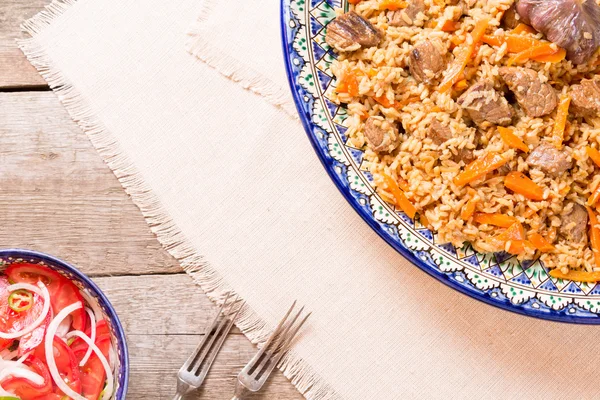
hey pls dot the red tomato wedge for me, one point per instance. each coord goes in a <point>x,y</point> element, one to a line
<point>51,396</point>
<point>67,364</point>
<point>26,389</point>
<point>62,291</point>
<point>93,376</point>
<point>34,338</point>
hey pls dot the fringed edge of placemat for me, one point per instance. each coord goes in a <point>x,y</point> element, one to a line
<point>302,376</point>
<point>233,69</point>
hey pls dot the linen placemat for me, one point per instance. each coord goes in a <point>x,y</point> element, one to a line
<point>232,188</point>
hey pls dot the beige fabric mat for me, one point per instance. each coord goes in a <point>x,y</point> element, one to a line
<point>232,188</point>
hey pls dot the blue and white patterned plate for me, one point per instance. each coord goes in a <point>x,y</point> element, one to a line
<point>498,279</point>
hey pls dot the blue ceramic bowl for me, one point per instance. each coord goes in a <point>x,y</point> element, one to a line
<point>498,279</point>
<point>10,256</point>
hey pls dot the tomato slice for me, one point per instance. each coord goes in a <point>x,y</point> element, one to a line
<point>66,363</point>
<point>51,396</point>
<point>62,291</point>
<point>34,338</point>
<point>93,376</point>
<point>26,389</point>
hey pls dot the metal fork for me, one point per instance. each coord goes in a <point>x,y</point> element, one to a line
<point>194,370</point>
<point>255,373</point>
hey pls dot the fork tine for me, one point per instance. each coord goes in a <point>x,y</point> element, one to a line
<point>269,340</point>
<point>219,330</point>
<point>288,343</point>
<point>211,357</point>
<point>213,325</point>
<point>282,338</point>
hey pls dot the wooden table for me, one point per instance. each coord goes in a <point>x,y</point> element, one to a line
<point>58,196</point>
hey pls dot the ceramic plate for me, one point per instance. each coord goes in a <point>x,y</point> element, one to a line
<point>498,279</point>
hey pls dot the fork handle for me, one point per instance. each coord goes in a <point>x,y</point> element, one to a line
<point>241,392</point>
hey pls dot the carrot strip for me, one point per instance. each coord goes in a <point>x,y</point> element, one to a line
<point>501,220</point>
<point>594,236</point>
<point>593,154</point>
<point>401,200</point>
<point>512,140</point>
<point>558,132</point>
<point>515,234</point>
<point>521,184</point>
<point>552,58</point>
<point>392,5</point>
<point>578,276</point>
<point>479,168</point>
<point>461,85</point>
<point>463,57</point>
<point>523,28</point>
<point>593,199</point>
<point>348,84</point>
<point>544,49</point>
<point>355,2</point>
<point>514,43</point>
<point>540,243</point>
<point>423,219</point>
<point>450,26</point>
<point>384,101</point>
<point>469,209</point>
<point>403,184</point>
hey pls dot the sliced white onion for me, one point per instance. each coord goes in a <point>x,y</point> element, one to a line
<point>44,293</point>
<point>27,286</point>
<point>93,304</point>
<point>109,376</point>
<point>64,327</point>
<point>22,372</point>
<point>49,350</point>
<point>23,357</point>
<point>88,353</point>
<point>112,356</point>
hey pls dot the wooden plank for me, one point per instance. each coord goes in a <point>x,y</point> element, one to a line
<point>58,196</point>
<point>15,70</point>
<point>146,305</point>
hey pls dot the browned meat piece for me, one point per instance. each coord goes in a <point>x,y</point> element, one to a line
<point>547,158</point>
<point>439,133</point>
<point>350,31</point>
<point>465,155</point>
<point>425,62</point>
<point>585,98</point>
<point>407,16</point>
<point>510,20</point>
<point>536,98</point>
<point>571,24</point>
<point>485,105</point>
<point>381,135</point>
<point>574,224</point>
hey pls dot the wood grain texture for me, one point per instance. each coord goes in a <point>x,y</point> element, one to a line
<point>146,305</point>
<point>15,70</point>
<point>59,197</point>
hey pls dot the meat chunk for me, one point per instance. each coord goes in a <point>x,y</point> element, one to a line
<point>381,135</point>
<point>350,31</point>
<point>439,133</point>
<point>574,223</point>
<point>510,19</point>
<point>485,105</point>
<point>426,62</point>
<point>571,24</point>
<point>536,98</point>
<point>407,16</point>
<point>552,161</point>
<point>585,98</point>
<point>464,155</point>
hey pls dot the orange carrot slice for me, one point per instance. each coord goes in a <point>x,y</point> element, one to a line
<point>463,57</point>
<point>501,220</point>
<point>540,243</point>
<point>479,168</point>
<point>402,201</point>
<point>521,184</point>
<point>579,276</point>
<point>594,236</point>
<point>512,140</point>
<point>558,132</point>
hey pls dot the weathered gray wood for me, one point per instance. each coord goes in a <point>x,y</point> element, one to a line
<point>58,196</point>
<point>174,306</point>
<point>15,70</point>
